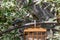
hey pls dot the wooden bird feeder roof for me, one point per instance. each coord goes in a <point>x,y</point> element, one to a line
<point>35,30</point>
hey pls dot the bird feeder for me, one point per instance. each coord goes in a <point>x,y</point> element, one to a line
<point>35,33</point>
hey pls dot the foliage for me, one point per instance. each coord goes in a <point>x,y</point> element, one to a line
<point>11,9</point>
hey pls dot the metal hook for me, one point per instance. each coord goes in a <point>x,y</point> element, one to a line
<point>34,23</point>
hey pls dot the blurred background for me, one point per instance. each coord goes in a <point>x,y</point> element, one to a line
<point>26,10</point>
